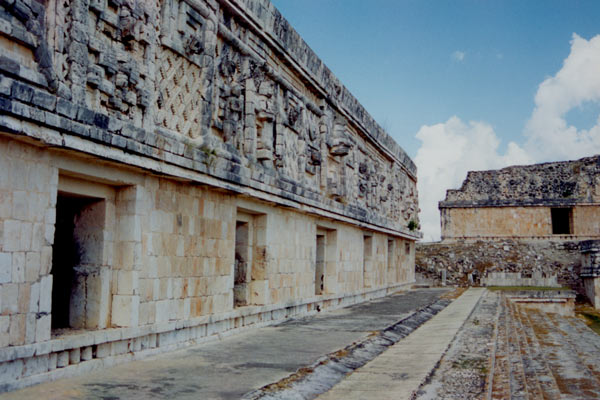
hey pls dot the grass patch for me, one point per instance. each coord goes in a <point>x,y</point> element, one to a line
<point>590,316</point>
<point>474,364</point>
<point>594,322</point>
<point>539,288</point>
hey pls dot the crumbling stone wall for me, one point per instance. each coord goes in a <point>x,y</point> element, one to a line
<point>517,202</point>
<point>476,258</point>
<point>564,181</point>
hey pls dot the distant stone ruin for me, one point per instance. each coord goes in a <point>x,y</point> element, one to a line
<point>171,170</point>
<point>527,220</point>
<point>550,201</point>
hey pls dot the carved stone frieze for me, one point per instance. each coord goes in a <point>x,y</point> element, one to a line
<point>261,110</point>
<point>109,67</point>
<point>229,106</point>
<point>181,104</point>
<point>200,70</point>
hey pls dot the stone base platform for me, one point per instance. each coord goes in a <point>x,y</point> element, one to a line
<point>230,366</point>
<point>78,353</point>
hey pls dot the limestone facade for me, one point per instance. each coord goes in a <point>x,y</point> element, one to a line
<point>550,201</point>
<point>179,169</point>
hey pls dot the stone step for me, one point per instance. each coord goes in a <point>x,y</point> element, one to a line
<point>573,377</point>
<point>518,388</point>
<point>532,385</point>
<point>534,363</point>
<point>500,376</point>
<point>520,371</point>
<point>584,334</point>
<point>585,347</point>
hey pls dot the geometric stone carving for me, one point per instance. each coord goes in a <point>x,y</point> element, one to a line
<point>180,104</point>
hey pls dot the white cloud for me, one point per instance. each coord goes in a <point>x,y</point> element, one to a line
<point>452,148</point>
<point>447,152</point>
<point>459,55</point>
<point>549,136</point>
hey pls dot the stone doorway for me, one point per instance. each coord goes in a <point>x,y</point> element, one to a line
<point>320,265</point>
<point>562,221</point>
<point>242,263</point>
<point>391,260</point>
<point>367,259</point>
<point>250,286</point>
<point>76,253</point>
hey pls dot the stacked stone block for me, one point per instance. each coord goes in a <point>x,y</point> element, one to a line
<point>27,227</point>
<point>188,243</point>
<point>517,202</point>
<point>162,124</point>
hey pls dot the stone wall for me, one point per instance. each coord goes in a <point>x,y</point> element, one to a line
<point>156,264</point>
<point>225,88</point>
<point>460,223</point>
<point>564,182</point>
<point>590,271</point>
<point>172,171</point>
<point>476,258</point>
<point>518,202</point>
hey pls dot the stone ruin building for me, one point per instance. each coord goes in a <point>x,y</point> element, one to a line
<point>532,220</point>
<point>550,201</point>
<point>176,169</point>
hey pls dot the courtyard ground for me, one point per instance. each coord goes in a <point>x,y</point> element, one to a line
<point>421,344</point>
<point>240,364</point>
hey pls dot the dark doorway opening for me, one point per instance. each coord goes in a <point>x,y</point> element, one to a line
<point>320,265</point>
<point>242,262</point>
<point>367,254</point>
<point>73,240</point>
<point>562,221</point>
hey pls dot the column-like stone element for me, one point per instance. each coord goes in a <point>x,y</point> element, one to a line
<point>590,270</point>
<point>130,203</point>
<point>75,356</point>
<point>62,359</point>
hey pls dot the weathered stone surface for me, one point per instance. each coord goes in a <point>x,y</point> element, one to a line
<point>137,136</point>
<point>213,89</point>
<point>477,258</point>
<point>522,202</point>
<point>564,182</point>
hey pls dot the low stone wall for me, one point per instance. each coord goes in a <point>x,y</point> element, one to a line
<point>560,302</point>
<point>517,279</point>
<point>463,259</point>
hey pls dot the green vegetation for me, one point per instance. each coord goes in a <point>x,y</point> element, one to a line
<point>476,364</point>
<point>589,314</point>
<point>413,225</point>
<point>593,321</point>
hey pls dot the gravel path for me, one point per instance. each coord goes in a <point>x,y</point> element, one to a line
<point>505,351</point>
<point>462,371</point>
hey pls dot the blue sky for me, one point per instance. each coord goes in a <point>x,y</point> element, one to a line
<point>417,64</point>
